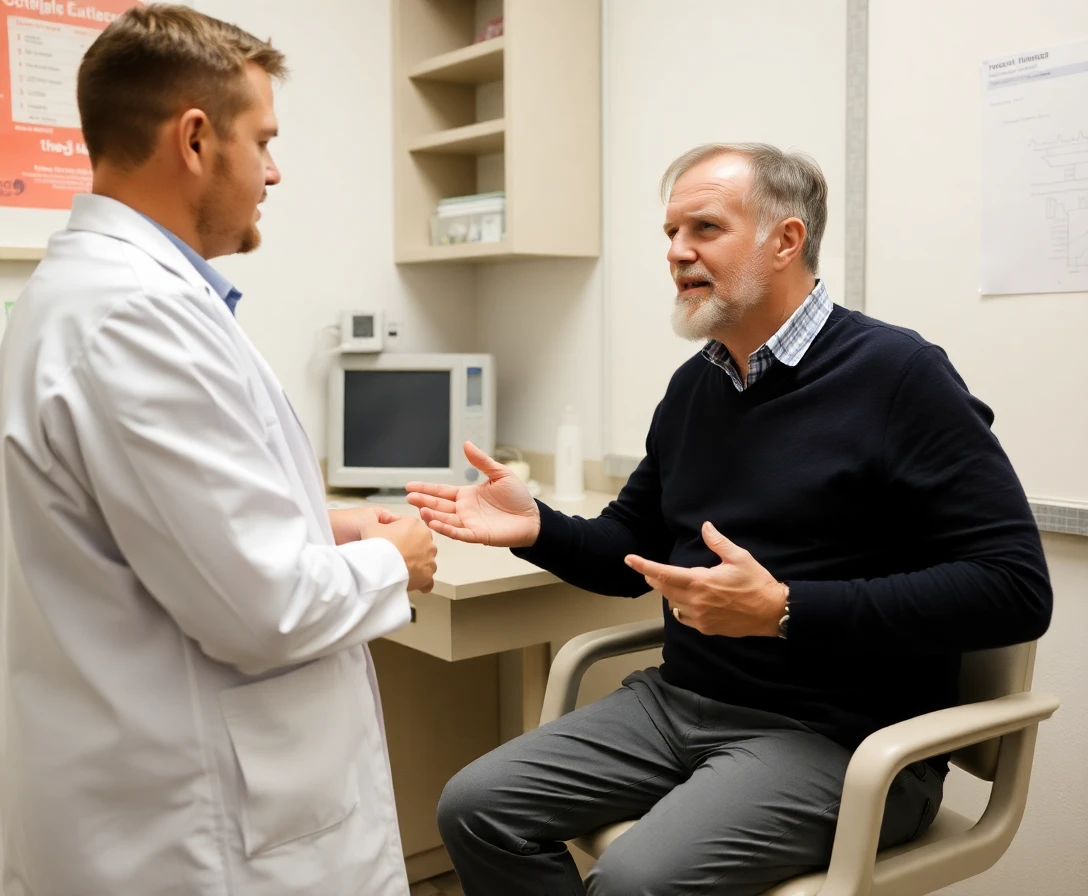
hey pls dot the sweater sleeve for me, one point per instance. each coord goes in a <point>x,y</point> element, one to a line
<point>984,580</point>
<point>589,553</point>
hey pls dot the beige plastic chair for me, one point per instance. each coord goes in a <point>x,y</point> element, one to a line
<point>991,736</point>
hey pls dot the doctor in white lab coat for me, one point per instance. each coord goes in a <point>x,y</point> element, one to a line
<point>188,703</point>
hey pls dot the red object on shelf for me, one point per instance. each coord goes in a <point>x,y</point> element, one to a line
<point>490,30</point>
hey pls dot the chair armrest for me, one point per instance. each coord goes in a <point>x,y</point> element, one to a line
<point>885,752</point>
<point>581,652</point>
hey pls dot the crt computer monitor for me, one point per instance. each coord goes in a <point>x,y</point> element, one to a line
<point>397,417</point>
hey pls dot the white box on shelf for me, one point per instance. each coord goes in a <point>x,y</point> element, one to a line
<point>469,219</point>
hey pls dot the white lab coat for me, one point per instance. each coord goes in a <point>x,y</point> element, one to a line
<point>188,704</point>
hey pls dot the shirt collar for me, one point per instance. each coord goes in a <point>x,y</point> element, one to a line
<point>789,343</point>
<point>796,335</point>
<point>219,284</point>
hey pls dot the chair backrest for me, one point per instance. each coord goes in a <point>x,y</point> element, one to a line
<point>987,674</point>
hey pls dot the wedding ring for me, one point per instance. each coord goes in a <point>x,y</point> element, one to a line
<point>676,613</point>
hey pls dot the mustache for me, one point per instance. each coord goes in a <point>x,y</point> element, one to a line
<point>692,272</point>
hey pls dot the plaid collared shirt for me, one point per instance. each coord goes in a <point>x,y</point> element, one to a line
<point>788,345</point>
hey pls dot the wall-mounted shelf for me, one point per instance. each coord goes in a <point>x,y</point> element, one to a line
<point>459,252</point>
<point>480,63</point>
<point>21,253</point>
<point>500,251</point>
<point>518,114</point>
<point>472,139</point>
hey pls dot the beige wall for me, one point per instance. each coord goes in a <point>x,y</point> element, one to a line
<point>542,321</point>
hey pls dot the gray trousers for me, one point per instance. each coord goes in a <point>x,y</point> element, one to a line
<point>733,800</point>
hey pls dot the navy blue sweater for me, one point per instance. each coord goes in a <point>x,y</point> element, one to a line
<point>868,479</point>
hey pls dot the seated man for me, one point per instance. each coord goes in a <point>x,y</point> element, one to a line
<point>831,523</point>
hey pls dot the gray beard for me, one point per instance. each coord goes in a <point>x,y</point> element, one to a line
<point>699,319</point>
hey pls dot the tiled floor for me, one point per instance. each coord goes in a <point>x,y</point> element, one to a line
<point>446,885</point>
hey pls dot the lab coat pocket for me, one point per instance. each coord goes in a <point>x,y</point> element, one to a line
<point>297,739</point>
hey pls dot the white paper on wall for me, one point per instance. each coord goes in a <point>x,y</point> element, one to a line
<point>1035,172</point>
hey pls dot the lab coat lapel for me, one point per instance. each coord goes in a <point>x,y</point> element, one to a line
<point>297,442</point>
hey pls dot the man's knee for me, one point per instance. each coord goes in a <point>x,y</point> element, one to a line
<point>462,798</point>
<point>480,803</point>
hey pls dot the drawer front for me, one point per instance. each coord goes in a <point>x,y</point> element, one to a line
<point>429,629</point>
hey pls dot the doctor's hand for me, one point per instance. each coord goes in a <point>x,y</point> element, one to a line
<point>416,545</point>
<point>352,523</point>
<point>498,512</point>
<point>737,598</point>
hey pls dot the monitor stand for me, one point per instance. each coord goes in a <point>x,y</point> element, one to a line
<point>388,496</point>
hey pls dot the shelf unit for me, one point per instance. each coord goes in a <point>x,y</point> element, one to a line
<point>519,113</point>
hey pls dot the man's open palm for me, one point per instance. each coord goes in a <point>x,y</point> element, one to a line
<point>498,511</point>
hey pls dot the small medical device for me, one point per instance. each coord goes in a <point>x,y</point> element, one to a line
<point>361,331</point>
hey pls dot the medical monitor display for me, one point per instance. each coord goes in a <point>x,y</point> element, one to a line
<point>396,418</point>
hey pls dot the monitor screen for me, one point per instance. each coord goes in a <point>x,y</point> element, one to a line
<point>396,418</point>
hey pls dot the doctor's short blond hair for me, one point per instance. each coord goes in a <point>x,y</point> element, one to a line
<point>153,62</point>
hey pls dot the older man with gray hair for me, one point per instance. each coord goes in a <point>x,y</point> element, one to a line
<point>831,523</point>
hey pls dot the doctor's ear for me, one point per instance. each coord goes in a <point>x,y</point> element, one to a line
<point>195,135</point>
